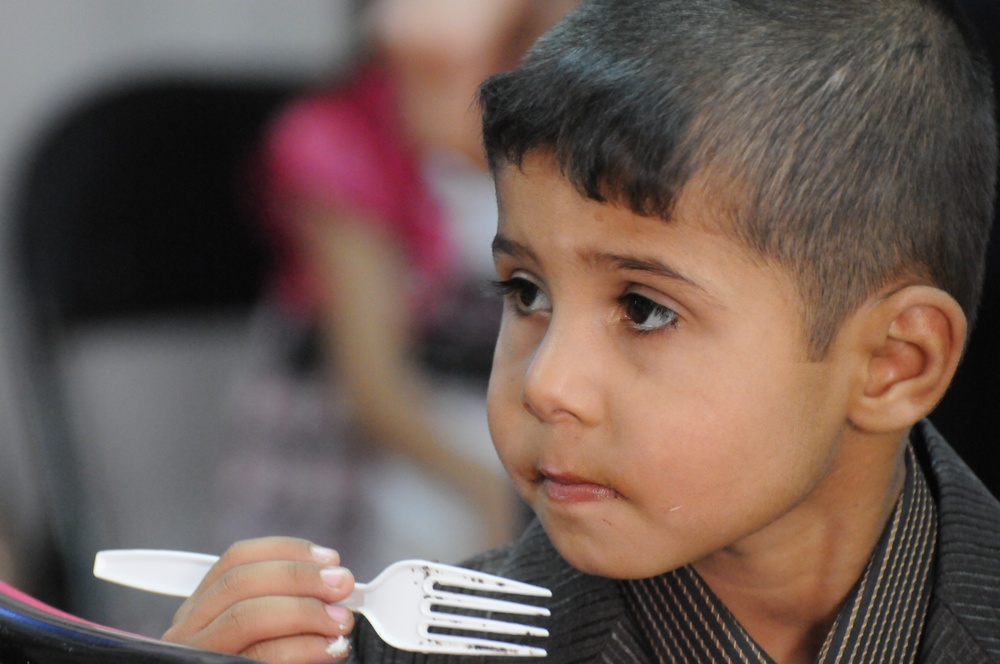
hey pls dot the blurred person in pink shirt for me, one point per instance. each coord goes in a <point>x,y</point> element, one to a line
<point>361,416</point>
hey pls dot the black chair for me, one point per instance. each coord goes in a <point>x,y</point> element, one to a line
<point>135,205</point>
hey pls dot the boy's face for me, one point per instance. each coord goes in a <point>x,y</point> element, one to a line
<point>650,395</point>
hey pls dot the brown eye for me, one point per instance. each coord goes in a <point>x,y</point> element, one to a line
<point>646,315</point>
<point>527,292</point>
<point>526,296</point>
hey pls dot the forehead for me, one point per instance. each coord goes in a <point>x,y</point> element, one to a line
<point>536,198</point>
<point>714,198</point>
<point>543,218</point>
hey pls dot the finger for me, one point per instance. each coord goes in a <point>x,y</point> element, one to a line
<point>307,649</point>
<point>264,619</point>
<point>267,549</point>
<point>252,551</point>
<point>261,580</point>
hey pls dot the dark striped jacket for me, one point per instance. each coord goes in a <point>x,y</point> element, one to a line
<point>589,622</point>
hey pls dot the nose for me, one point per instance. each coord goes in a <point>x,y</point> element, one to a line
<point>562,381</point>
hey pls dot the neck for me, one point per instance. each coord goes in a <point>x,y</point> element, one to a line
<point>787,583</point>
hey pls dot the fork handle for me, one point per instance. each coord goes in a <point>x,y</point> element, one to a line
<point>166,572</point>
<point>356,600</point>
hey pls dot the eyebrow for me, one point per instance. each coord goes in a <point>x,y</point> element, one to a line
<point>505,245</point>
<point>648,265</point>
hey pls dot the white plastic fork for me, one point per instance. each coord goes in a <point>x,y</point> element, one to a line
<point>402,603</point>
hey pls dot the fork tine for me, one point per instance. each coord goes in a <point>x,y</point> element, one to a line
<point>459,577</point>
<point>477,603</point>
<point>447,644</point>
<point>473,624</point>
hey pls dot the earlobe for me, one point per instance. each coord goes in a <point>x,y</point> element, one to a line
<point>912,341</point>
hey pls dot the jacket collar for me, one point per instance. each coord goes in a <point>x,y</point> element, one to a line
<point>963,622</point>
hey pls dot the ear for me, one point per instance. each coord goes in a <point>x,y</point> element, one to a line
<point>911,342</point>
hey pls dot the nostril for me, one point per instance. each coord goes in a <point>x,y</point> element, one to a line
<point>526,402</point>
<point>550,406</point>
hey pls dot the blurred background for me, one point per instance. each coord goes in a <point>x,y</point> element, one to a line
<point>243,251</point>
<point>55,57</point>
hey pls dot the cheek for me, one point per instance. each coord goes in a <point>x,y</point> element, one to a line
<point>512,353</point>
<point>777,450</point>
<point>721,441</point>
<point>507,416</point>
<point>502,400</point>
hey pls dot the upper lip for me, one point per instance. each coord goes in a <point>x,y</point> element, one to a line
<point>562,477</point>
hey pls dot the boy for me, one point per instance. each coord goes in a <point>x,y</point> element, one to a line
<point>740,243</point>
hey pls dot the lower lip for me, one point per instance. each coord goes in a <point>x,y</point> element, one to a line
<point>582,492</point>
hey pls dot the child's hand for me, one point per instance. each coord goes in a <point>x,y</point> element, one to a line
<point>270,599</point>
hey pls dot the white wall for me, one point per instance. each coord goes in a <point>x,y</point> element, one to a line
<point>53,51</point>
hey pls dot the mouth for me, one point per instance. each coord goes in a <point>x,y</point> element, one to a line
<point>567,488</point>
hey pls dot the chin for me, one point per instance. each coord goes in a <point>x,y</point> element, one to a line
<point>594,557</point>
<point>597,558</point>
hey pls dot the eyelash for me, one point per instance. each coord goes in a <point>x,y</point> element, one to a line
<point>514,287</point>
<point>518,287</point>
<point>633,299</point>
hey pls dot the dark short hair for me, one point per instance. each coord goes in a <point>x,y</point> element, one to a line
<point>852,142</point>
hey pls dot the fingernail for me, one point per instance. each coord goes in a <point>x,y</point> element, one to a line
<point>338,647</point>
<point>340,615</point>
<point>333,576</point>
<point>322,554</point>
